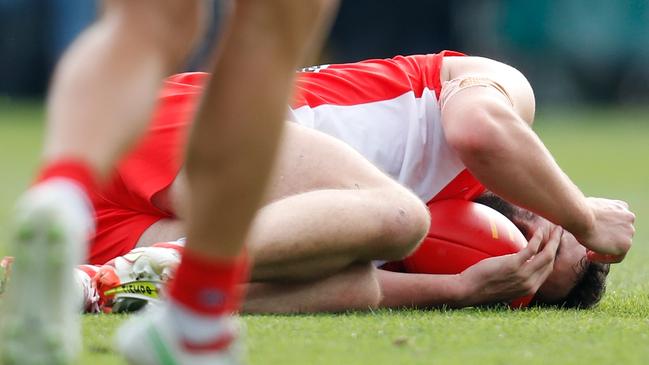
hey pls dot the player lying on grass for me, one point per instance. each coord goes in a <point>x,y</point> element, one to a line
<point>560,271</point>
<point>389,112</point>
<point>329,212</point>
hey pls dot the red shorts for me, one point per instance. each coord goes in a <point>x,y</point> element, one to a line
<point>124,208</point>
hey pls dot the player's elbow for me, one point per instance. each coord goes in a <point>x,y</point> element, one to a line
<point>523,97</point>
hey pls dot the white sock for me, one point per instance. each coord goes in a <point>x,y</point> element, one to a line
<point>199,328</point>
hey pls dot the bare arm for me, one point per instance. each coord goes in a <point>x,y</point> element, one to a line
<point>494,140</point>
<point>503,152</point>
<point>401,290</point>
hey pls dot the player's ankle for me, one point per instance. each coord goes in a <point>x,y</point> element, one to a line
<point>73,170</point>
<point>203,295</point>
<point>209,287</point>
<point>201,333</point>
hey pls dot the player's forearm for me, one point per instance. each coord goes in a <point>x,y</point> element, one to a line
<point>399,290</point>
<point>524,173</point>
<point>502,151</point>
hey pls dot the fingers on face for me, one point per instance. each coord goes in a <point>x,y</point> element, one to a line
<point>555,238</point>
<point>532,247</point>
<point>544,260</point>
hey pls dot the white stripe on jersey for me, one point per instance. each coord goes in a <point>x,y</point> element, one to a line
<point>402,136</point>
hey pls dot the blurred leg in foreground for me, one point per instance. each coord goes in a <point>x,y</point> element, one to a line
<point>100,101</point>
<point>229,157</point>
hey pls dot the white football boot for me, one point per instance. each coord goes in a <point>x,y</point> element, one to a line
<point>152,339</point>
<point>40,320</point>
<point>128,283</point>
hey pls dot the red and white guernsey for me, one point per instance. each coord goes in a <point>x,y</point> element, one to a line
<point>388,110</point>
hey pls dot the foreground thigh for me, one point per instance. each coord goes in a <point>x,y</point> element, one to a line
<point>310,160</point>
<point>307,161</point>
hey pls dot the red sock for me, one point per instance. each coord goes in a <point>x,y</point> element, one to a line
<point>73,169</point>
<point>208,286</point>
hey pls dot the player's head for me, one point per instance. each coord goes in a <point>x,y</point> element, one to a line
<point>575,281</point>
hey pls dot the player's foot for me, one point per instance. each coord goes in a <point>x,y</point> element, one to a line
<point>130,282</point>
<point>153,339</point>
<point>53,221</point>
<point>90,299</point>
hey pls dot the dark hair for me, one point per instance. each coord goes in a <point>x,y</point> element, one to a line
<point>589,288</point>
<point>510,211</point>
<point>591,283</point>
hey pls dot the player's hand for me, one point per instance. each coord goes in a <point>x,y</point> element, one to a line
<point>504,278</point>
<point>611,235</point>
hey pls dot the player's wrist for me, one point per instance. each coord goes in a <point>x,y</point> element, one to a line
<point>583,225</point>
<point>464,292</point>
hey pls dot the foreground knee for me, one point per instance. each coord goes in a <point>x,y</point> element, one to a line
<point>171,27</point>
<point>404,225</point>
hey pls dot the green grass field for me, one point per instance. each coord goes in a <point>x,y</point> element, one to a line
<point>607,154</point>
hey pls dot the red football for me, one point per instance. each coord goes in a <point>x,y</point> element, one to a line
<point>462,233</point>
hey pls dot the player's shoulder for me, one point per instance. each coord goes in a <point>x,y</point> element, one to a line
<point>386,67</point>
<point>370,80</point>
